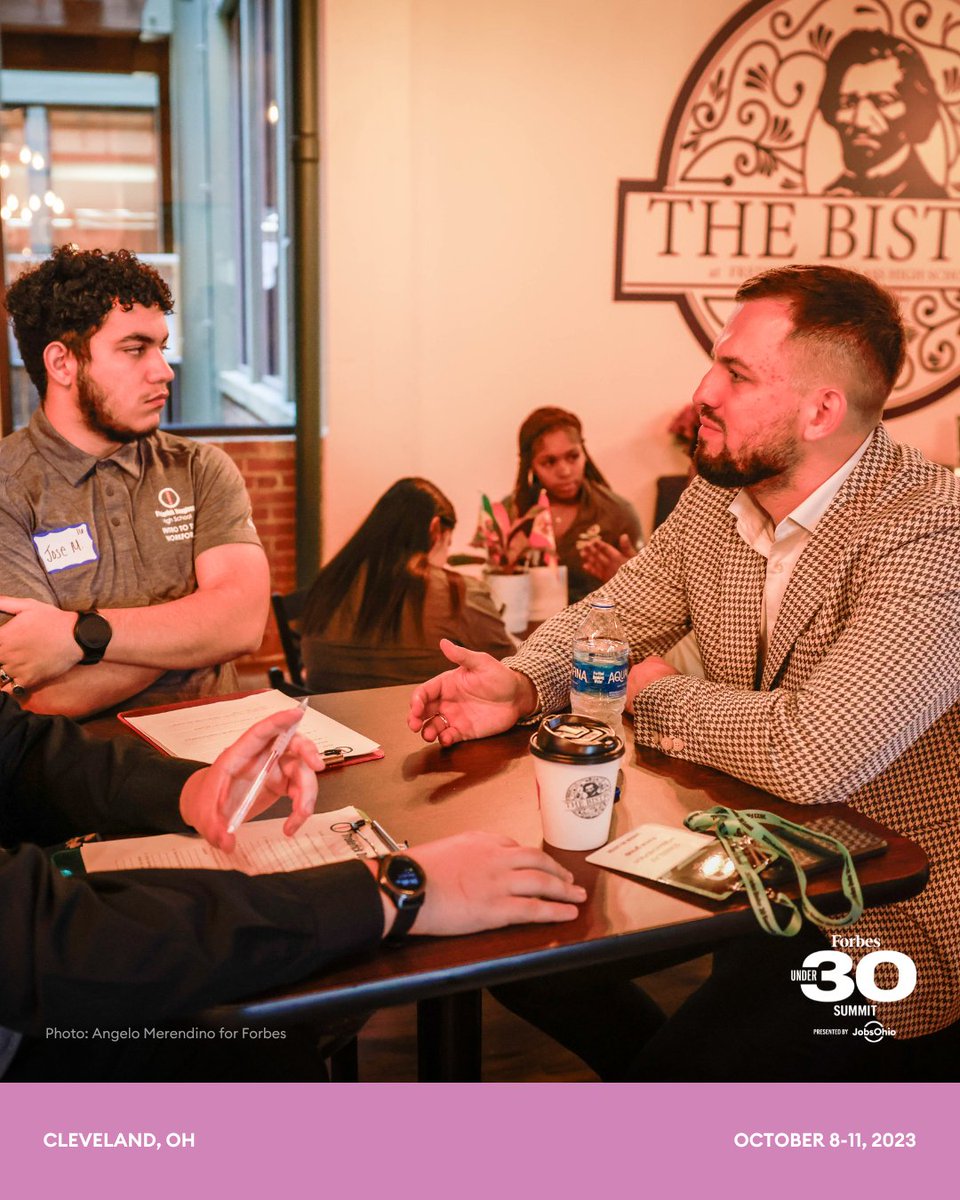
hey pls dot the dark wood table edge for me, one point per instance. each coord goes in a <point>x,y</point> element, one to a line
<point>448,998</point>
<point>449,1014</point>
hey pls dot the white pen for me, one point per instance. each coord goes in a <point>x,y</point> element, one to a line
<point>283,740</point>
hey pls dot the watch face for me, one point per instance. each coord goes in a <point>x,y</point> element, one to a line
<point>93,631</point>
<point>404,873</point>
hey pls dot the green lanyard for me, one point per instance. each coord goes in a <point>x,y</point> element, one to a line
<point>741,832</point>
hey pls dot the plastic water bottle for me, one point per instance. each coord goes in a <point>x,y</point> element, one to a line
<point>598,687</point>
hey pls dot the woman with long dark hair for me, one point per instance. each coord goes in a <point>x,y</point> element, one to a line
<point>380,606</point>
<point>596,530</point>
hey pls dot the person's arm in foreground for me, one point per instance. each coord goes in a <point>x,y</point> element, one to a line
<point>153,945</point>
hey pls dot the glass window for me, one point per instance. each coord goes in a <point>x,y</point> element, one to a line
<point>104,172</point>
<point>84,175</point>
<point>184,166</point>
<point>258,378</point>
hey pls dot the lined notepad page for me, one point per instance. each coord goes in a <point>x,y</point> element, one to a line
<point>262,848</point>
<point>202,731</point>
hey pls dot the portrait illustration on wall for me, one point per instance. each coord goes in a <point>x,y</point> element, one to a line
<point>812,131</point>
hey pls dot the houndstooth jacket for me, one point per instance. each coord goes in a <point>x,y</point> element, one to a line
<point>860,693</point>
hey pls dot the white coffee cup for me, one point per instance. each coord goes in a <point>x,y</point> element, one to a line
<point>576,760</point>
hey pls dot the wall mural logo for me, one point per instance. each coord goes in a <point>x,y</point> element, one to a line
<point>812,132</point>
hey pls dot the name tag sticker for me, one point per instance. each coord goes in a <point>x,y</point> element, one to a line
<point>62,548</point>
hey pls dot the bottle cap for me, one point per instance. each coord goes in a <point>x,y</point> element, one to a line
<point>570,738</point>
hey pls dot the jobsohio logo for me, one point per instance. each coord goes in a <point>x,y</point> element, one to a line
<point>817,132</point>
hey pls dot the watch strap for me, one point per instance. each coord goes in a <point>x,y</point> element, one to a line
<point>402,924</point>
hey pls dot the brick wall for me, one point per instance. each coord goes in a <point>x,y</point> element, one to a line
<point>268,468</point>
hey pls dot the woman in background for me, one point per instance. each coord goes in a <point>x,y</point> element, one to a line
<point>378,609</point>
<point>596,530</point>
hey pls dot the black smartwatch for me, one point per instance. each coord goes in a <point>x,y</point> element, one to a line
<point>405,883</point>
<point>92,634</point>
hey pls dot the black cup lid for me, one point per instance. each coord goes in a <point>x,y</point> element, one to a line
<point>570,738</point>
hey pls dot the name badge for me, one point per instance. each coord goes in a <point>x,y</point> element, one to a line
<point>62,548</point>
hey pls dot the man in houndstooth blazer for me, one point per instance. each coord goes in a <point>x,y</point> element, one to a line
<point>852,690</point>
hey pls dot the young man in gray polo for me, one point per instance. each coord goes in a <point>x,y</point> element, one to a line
<point>132,570</point>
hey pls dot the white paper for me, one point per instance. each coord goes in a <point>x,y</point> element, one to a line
<point>649,851</point>
<point>262,848</point>
<point>203,731</point>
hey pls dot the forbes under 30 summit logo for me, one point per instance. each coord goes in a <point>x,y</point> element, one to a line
<point>812,131</point>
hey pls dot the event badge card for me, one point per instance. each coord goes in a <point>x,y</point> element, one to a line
<point>262,848</point>
<point>679,857</point>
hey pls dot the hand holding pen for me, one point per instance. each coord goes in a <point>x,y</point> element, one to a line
<point>266,762</point>
<point>284,738</point>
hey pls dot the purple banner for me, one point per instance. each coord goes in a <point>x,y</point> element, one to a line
<point>145,1141</point>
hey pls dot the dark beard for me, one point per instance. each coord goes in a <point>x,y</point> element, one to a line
<point>724,472</point>
<point>94,408</point>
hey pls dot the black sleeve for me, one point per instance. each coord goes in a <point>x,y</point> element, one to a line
<point>155,945</point>
<point>56,782</point>
<point>144,945</point>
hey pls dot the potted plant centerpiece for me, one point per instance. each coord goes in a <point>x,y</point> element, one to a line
<point>521,561</point>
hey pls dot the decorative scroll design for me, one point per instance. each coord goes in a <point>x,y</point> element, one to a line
<point>813,131</point>
<point>935,315</point>
<point>749,123</point>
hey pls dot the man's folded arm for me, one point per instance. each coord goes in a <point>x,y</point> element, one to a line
<point>82,691</point>
<point>223,619</point>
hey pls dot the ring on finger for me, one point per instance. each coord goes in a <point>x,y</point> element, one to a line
<point>440,716</point>
<point>16,688</point>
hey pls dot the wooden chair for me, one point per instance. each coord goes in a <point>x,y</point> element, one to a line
<point>281,683</point>
<point>669,490</point>
<point>287,610</point>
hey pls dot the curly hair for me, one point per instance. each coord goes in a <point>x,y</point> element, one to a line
<point>68,297</point>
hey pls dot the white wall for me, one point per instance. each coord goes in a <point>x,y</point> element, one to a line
<point>471,158</point>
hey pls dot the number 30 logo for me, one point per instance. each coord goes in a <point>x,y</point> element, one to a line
<point>835,967</point>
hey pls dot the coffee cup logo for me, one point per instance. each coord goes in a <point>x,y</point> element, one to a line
<point>812,131</point>
<point>588,797</point>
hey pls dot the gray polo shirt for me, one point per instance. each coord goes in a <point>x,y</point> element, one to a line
<point>118,532</point>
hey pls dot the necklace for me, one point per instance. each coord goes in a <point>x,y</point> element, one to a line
<point>563,516</point>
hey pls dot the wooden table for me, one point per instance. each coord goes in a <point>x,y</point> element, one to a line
<point>421,792</point>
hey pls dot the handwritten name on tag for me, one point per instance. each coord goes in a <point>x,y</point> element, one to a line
<point>62,548</point>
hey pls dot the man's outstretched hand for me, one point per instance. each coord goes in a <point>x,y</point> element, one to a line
<point>476,699</point>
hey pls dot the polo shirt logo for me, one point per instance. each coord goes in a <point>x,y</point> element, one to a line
<point>61,548</point>
<point>176,519</point>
